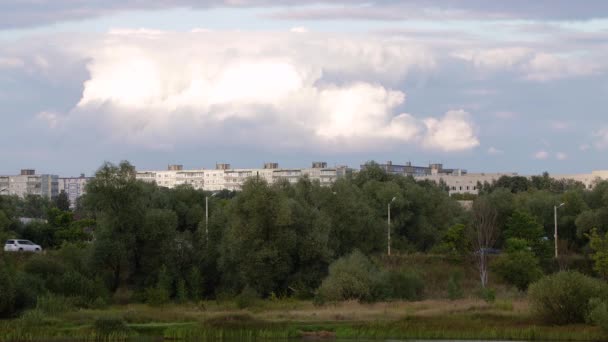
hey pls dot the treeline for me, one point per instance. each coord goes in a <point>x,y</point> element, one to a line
<point>132,241</point>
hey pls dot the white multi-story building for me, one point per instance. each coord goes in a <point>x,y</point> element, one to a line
<point>74,187</point>
<point>29,183</point>
<point>224,177</point>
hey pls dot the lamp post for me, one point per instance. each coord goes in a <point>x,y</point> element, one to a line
<point>388,231</point>
<point>555,207</point>
<point>207,216</point>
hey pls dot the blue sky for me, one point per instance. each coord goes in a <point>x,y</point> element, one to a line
<point>513,86</point>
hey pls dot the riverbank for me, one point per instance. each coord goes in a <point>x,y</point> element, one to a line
<point>430,319</point>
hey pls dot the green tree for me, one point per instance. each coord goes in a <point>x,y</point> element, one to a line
<point>258,246</point>
<point>118,202</point>
<point>599,245</point>
<point>62,202</point>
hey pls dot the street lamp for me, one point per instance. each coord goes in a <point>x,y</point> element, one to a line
<point>207,216</point>
<point>389,227</point>
<point>555,207</point>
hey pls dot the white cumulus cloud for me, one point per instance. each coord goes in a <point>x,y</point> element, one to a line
<point>453,132</point>
<point>157,89</point>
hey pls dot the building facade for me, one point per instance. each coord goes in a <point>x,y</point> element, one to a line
<point>224,177</point>
<point>468,183</point>
<point>30,183</point>
<point>74,187</point>
<point>408,169</point>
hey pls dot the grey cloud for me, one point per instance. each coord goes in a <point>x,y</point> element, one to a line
<point>29,13</point>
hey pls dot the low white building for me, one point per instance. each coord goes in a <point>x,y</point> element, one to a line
<point>465,183</point>
<point>589,179</point>
<point>468,183</point>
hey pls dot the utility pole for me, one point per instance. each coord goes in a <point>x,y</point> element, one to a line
<point>555,207</point>
<point>207,217</point>
<point>388,230</point>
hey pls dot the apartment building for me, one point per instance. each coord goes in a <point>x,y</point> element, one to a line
<point>74,187</point>
<point>224,177</point>
<point>30,183</point>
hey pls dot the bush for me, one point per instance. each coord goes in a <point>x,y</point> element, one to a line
<point>106,326</point>
<point>518,268</point>
<point>352,277</point>
<point>454,286</point>
<point>565,297</point>
<point>7,293</point>
<point>28,288</point>
<point>247,298</point>
<point>157,296</point>
<point>32,318</point>
<point>52,304</point>
<point>598,314</point>
<point>180,292</point>
<point>487,294</point>
<point>405,285</point>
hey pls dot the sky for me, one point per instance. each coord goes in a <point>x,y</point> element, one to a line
<point>487,86</point>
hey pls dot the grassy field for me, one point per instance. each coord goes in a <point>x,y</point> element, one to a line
<point>283,319</point>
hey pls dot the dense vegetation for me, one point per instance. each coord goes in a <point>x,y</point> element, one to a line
<point>128,241</point>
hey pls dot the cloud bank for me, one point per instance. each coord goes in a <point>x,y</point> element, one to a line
<point>27,13</point>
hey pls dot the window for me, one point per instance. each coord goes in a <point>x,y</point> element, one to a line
<point>24,242</point>
<point>10,242</point>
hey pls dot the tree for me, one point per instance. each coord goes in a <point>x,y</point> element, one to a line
<point>258,247</point>
<point>484,235</point>
<point>522,225</point>
<point>62,202</point>
<point>599,245</point>
<point>119,204</point>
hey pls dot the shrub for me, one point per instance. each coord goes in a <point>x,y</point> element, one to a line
<point>106,326</point>
<point>195,284</point>
<point>53,304</point>
<point>454,286</point>
<point>519,267</point>
<point>7,293</point>
<point>352,277</point>
<point>32,318</point>
<point>28,288</point>
<point>157,296</point>
<point>598,314</point>
<point>247,298</point>
<point>564,297</point>
<point>487,294</point>
<point>405,285</point>
<point>180,292</point>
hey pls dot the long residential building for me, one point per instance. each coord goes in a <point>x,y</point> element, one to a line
<point>224,177</point>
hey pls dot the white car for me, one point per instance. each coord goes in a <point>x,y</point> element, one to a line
<point>21,246</point>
